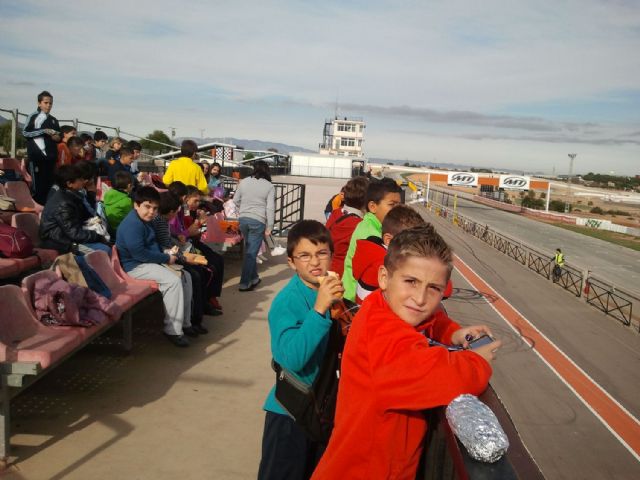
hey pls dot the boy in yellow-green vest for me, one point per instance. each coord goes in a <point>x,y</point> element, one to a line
<point>382,196</point>
<point>117,201</point>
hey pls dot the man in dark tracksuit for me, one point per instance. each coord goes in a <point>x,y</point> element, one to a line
<point>42,132</point>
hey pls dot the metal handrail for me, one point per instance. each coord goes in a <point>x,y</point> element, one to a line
<point>598,293</point>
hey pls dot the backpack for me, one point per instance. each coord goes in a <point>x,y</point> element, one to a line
<point>14,243</point>
<point>313,406</point>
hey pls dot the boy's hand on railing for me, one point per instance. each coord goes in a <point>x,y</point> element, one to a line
<point>488,352</point>
<point>330,290</point>
<point>465,335</point>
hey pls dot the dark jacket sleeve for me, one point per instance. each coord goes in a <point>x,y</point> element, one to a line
<point>69,218</point>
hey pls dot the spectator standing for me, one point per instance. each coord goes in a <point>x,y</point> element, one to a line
<point>382,196</point>
<point>255,198</point>
<point>299,324</point>
<point>344,220</point>
<point>42,132</point>
<point>389,373</point>
<point>185,170</point>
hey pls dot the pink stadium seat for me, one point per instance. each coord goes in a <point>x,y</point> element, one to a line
<point>117,268</point>
<point>124,294</point>
<point>215,234</point>
<point>28,284</point>
<point>24,339</point>
<point>30,222</point>
<point>20,191</point>
<point>18,166</point>
<point>2,190</point>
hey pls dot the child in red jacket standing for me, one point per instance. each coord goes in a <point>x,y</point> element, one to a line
<point>344,220</point>
<point>390,374</point>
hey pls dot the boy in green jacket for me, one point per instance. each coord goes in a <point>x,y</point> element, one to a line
<point>117,202</point>
<point>382,196</point>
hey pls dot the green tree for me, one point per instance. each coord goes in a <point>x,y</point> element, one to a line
<point>149,144</point>
<point>5,138</point>
<point>249,156</point>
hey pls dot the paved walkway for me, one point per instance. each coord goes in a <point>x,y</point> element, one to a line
<point>160,412</point>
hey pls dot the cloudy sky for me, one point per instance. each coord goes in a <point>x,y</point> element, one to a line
<point>515,84</point>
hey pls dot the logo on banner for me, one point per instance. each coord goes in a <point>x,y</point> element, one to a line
<point>514,182</point>
<point>462,179</point>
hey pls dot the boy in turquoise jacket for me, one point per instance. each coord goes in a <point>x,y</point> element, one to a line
<point>299,323</point>
<point>382,196</point>
<point>117,201</point>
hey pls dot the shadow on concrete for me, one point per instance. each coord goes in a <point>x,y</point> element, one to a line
<point>101,381</point>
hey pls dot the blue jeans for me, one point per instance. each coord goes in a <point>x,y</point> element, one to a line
<point>253,233</point>
<point>85,248</point>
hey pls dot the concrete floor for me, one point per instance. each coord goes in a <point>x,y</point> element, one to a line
<point>162,412</point>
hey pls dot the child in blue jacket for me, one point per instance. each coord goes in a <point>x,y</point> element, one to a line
<point>299,323</point>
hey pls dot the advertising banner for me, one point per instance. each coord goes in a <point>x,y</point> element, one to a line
<point>462,179</point>
<point>514,182</point>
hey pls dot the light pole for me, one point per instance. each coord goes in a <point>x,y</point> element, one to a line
<point>567,205</point>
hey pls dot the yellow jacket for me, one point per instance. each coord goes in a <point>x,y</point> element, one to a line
<point>184,170</point>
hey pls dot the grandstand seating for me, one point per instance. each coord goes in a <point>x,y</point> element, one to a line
<point>19,190</point>
<point>30,223</point>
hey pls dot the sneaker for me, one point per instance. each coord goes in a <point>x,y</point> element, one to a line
<point>200,329</point>
<point>215,303</point>
<point>246,289</point>
<point>178,340</point>
<point>190,331</point>
<point>211,310</point>
<point>256,282</point>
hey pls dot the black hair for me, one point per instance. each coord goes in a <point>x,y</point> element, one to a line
<point>43,94</point>
<point>86,136</point>
<point>121,180</point>
<point>87,170</point>
<point>188,148</point>
<point>312,230</point>
<point>134,145</point>
<point>261,170</point>
<point>193,191</point>
<point>66,129</point>
<point>65,174</point>
<point>126,151</point>
<point>178,188</point>
<point>216,164</point>
<point>75,141</point>
<point>99,135</point>
<point>146,194</point>
<point>378,189</point>
<point>168,203</point>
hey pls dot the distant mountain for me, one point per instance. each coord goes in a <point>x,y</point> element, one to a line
<point>247,144</point>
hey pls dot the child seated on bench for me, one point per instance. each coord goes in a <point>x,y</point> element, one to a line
<point>142,258</point>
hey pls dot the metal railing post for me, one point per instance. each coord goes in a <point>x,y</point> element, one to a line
<point>14,131</point>
<point>75,124</point>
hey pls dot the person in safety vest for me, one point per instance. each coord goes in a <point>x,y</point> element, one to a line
<point>558,260</point>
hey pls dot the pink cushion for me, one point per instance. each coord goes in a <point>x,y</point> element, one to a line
<point>100,262</point>
<point>117,267</point>
<point>24,338</point>
<point>8,268</point>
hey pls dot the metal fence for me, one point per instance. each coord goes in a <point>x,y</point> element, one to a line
<point>289,204</point>
<point>598,293</point>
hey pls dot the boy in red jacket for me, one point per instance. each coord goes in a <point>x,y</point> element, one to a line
<point>390,374</point>
<point>344,220</point>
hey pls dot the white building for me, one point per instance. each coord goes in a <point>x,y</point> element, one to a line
<point>343,136</point>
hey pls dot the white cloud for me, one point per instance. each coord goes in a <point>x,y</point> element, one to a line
<point>226,62</point>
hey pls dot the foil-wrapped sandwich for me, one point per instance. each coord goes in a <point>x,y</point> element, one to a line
<point>477,427</point>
